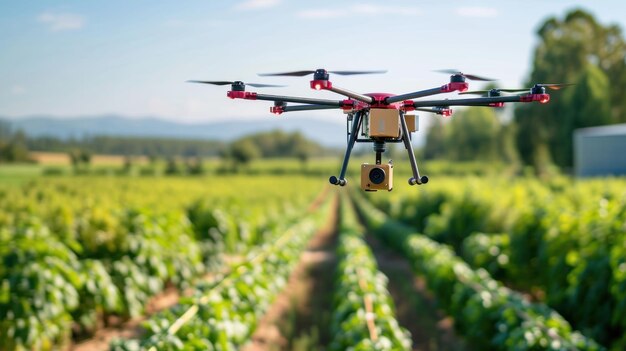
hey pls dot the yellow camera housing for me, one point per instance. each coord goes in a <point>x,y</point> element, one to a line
<point>376,177</point>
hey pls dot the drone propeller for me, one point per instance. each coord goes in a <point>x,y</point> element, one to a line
<point>557,86</point>
<point>224,82</point>
<point>321,70</point>
<point>456,72</point>
<point>492,92</point>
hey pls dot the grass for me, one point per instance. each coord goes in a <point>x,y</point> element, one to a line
<point>57,165</point>
<point>17,174</point>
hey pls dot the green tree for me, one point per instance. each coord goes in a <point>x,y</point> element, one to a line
<point>586,104</point>
<point>435,140</point>
<point>15,149</point>
<point>301,148</point>
<point>127,167</point>
<point>80,159</point>
<point>243,152</point>
<point>566,48</point>
<point>171,166</point>
<point>506,144</point>
<point>195,166</point>
<point>280,144</point>
<point>473,135</point>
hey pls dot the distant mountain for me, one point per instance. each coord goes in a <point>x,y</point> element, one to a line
<point>326,133</point>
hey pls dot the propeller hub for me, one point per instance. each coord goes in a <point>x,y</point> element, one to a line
<point>320,74</point>
<point>457,78</point>
<point>238,86</point>
<point>538,89</point>
<point>493,93</point>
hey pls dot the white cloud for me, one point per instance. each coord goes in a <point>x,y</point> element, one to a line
<point>370,9</point>
<point>319,14</point>
<point>480,12</point>
<point>257,4</point>
<point>360,9</point>
<point>62,21</point>
<point>195,25</point>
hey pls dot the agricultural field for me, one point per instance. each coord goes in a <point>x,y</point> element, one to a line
<point>548,256</point>
<point>285,262</point>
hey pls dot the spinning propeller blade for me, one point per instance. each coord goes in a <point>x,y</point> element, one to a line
<point>351,73</point>
<point>307,72</point>
<point>557,86</point>
<point>481,92</point>
<point>224,82</point>
<point>288,74</point>
<point>468,76</point>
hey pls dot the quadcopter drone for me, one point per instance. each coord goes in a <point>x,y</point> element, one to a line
<point>381,118</point>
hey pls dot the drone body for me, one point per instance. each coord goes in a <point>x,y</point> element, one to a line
<point>381,118</point>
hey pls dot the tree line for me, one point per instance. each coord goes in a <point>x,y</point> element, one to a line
<point>270,145</point>
<point>576,49</point>
<point>126,146</point>
<point>15,147</point>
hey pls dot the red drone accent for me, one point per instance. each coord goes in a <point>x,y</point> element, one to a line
<point>277,110</point>
<point>454,86</point>
<point>497,104</point>
<point>353,105</point>
<point>321,84</point>
<point>542,98</point>
<point>348,105</point>
<point>242,95</point>
<point>446,112</point>
<point>407,105</point>
<point>380,101</point>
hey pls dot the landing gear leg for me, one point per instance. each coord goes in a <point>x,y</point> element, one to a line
<point>416,179</point>
<point>356,124</point>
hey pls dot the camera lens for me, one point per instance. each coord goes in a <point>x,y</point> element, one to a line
<point>377,175</point>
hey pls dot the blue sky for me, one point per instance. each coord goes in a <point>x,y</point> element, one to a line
<point>82,58</point>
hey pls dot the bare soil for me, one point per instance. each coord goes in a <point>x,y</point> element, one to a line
<point>63,159</point>
<point>416,308</point>
<point>299,317</point>
<point>129,329</point>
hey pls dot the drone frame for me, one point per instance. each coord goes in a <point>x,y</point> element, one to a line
<point>357,106</point>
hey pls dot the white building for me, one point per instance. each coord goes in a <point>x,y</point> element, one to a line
<point>600,151</point>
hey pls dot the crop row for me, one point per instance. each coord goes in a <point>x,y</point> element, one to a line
<point>563,241</point>
<point>223,314</point>
<point>45,286</point>
<point>67,264</point>
<point>488,314</point>
<point>363,313</point>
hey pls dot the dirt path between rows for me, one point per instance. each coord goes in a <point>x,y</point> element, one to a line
<point>129,329</point>
<point>299,318</point>
<point>416,308</point>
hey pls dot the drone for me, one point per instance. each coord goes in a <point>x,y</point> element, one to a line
<point>381,118</point>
